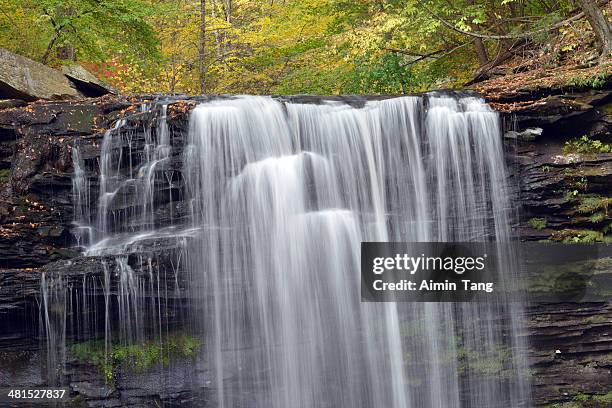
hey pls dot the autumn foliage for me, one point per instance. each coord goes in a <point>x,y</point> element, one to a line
<point>309,46</point>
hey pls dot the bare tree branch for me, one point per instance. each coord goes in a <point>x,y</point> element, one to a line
<point>421,57</point>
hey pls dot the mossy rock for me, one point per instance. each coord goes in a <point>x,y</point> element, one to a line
<point>538,223</point>
<point>586,401</point>
<point>590,204</point>
<point>585,145</point>
<point>607,109</point>
<point>578,236</point>
<point>137,357</point>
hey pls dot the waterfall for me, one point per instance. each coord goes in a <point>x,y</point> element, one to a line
<point>286,192</point>
<point>276,197</point>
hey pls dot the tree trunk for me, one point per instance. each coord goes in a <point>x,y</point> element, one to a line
<point>600,25</point>
<point>481,51</point>
<point>218,40</point>
<point>50,46</point>
<point>202,47</point>
<point>66,52</point>
<point>505,52</point>
<point>225,38</point>
<point>227,9</point>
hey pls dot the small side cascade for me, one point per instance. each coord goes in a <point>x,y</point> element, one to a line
<point>53,315</point>
<point>130,292</point>
<point>81,188</point>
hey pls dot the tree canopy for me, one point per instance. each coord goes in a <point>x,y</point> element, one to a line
<point>301,46</point>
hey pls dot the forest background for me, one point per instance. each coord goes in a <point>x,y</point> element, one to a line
<point>314,46</point>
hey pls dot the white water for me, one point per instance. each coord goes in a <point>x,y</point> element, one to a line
<point>286,193</point>
<point>280,195</point>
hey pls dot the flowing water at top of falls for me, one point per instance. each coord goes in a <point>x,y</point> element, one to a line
<point>278,197</point>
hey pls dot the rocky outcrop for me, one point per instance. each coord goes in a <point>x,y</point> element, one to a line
<point>36,214</point>
<point>35,176</point>
<point>571,352</point>
<point>562,173</point>
<point>85,81</point>
<point>18,288</point>
<point>24,79</point>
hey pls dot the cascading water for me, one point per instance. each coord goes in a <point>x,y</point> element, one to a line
<point>286,192</point>
<point>279,196</point>
<point>132,293</point>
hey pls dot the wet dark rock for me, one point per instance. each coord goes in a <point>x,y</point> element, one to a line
<point>552,182</point>
<point>87,387</point>
<point>18,287</point>
<point>74,269</point>
<point>571,350</point>
<point>20,364</point>
<point>36,176</point>
<point>176,387</point>
<point>570,344</point>
<point>91,391</point>
<point>560,115</point>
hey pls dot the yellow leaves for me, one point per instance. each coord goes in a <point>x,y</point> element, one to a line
<point>569,47</point>
<point>268,47</point>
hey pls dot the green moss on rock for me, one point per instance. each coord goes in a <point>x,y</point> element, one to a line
<point>585,145</point>
<point>596,319</point>
<point>135,357</point>
<point>538,223</point>
<point>590,204</point>
<point>582,400</point>
<point>576,236</point>
<point>5,175</point>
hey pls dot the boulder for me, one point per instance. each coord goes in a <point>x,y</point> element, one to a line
<point>22,78</point>
<point>528,135</point>
<point>86,82</point>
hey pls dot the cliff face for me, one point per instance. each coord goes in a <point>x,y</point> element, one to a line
<point>36,238</point>
<point>561,159</point>
<point>563,191</point>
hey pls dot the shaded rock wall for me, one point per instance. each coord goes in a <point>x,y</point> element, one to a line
<point>36,214</point>
<point>36,197</point>
<point>571,351</point>
<point>564,191</point>
<point>36,176</point>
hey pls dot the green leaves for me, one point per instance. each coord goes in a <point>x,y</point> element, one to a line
<point>96,30</point>
<point>294,46</point>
